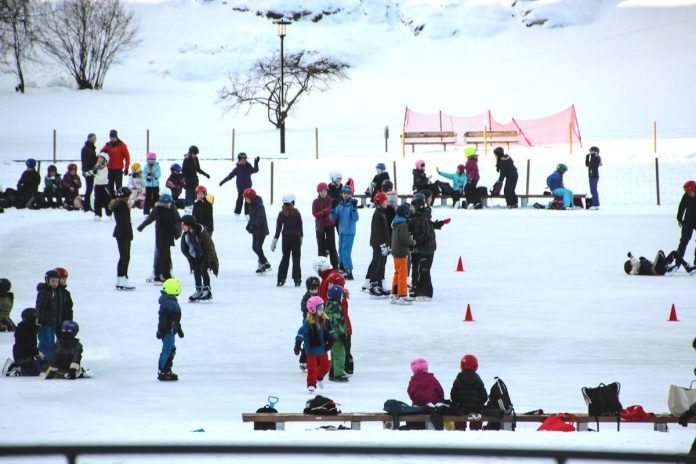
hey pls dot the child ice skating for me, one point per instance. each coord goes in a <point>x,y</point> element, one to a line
<point>175,183</point>
<point>289,222</point>
<point>24,351</point>
<point>47,307</point>
<point>424,388</point>
<point>199,249</point>
<point>315,337</point>
<point>6,303</point>
<point>312,284</point>
<point>257,227</point>
<point>334,311</point>
<point>422,229</point>
<point>345,215</point>
<point>152,174</point>
<point>123,233</point>
<point>67,355</point>
<point>136,184</point>
<point>324,226</point>
<point>168,328</point>
<point>167,230</point>
<point>203,209</point>
<point>190,169</point>
<point>401,241</point>
<point>242,171</point>
<point>380,239</point>
<point>101,191</point>
<point>65,302</point>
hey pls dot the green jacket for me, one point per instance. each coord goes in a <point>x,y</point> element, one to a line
<point>53,186</point>
<point>334,311</point>
<point>6,305</point>
<point>401,240</point>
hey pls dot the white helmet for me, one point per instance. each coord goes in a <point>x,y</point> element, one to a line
<point>289,198</point>
<point>105,156</point>
<point>335,175</point>
<point>321,263</point>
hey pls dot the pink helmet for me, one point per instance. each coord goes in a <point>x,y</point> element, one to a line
<point>420,164</point>
<point>419,364</point>
<point>322,186</point>
<point>315,304</point>
<point>461,168</point>
<point>151,156</point>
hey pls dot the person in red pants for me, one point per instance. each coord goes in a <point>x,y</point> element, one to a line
<point>318,336</point>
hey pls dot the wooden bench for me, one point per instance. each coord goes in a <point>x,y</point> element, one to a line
<point>524,198</point>
<point>403,198</point>
<point>491,137</point>
<point>428,138</point>
<point>583,421</point>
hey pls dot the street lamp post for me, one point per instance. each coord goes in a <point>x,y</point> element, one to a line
<point>282,24</point>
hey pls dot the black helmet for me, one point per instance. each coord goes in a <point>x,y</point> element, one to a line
<point>404,210</point>
<point>628,266</point>
<point>70,328</point>
<point>5,285</point>
<point>241,155</point>
<point>51,275</point>
<point>30,315</point>
<point>312,282</point>
<point>193,150</point>
<point>387,185</point>
<point>123,192</point>
<point>499,151</point>
<point>594,150</point>
<point>189,220</point>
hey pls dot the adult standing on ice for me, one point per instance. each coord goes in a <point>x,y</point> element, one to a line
<point>324,226</point>
<point>686,218</point>
<point>242,171</point>
<point>119,160</point>
<point>508,172</point>
<point>123,233</point>
<point>191,167</point>
<point>593,161</point>
<point>89,159</point>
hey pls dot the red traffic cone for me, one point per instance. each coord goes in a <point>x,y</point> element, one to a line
<point>460,265</point>
<point>673,314</point>
<point>468,317</point>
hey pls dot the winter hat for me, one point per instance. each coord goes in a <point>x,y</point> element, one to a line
<point>136,167</point>
<point>123,192</point>
<point>461,168</point>
<point>380,197</point>
<point>151,156</point>
<point>470,151</point>
<point>201,188</point>
<point>5,285</point>
<point>72,167</point>
<point>350,183</point>
<point>469,363</point>
<point>690,186</point>
<point>321,263</point>
<point>404,210</point>
<point>30,162</point>
<point>113,133</point>
<point>499,151</point>
<point>387,185</point>
<point>249,193</point>
<point>165,198</point>
<point>418,201</point>
<point>335,175</point>
<point>189,220</point>
<point>193,150</point>
<point>335,292</point>
<point>322,186</point>
<point>419,364</point>
<point>62,272</point>
<point>52,168</point>
<point>420,164</point>
<point>347,189</point>
<point>30,315</point>
<point>336,278</point>
<point>381,167</point>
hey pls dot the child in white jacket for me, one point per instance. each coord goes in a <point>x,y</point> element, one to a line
<point>101,187</point>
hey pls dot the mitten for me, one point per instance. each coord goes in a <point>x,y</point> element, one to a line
<point>384,249</point>
<point>354,201</point>
<point>125,172</point>
<point>248,228</point>
<point>446,221</point>
<point>274,242</point>
<point>221,182</point>
<point>159,335</point>
<point>296,349</point>
<point>257,159</point>
<point>207,176</point>
<point>180,332</point>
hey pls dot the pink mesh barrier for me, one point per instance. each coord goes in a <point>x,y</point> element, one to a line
<point>558,128</point>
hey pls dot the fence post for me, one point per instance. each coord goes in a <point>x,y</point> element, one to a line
<point>147,142</point>
<point>55,146</point>
<point>655,139</point>
<point>394,169</point>
<point>316,142</point>
<point>272,171</point>
<point>386,139</point>
<point>528,167</point>
<point>233,136</point>
<point>657,180</point>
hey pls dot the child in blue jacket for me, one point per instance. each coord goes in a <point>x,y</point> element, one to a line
<point>168,327</point>
<point>555,183</point>
<point>458,179</point>
<point>345,215</point>
<point>315,337</point>
<point>152,175</point>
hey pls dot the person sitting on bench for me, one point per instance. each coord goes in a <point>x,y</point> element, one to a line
<point>555,183</point>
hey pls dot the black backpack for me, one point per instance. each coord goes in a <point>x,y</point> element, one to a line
<point>396,409</point>
<point>321,406</point>
<point>267,409</point>
<point>499,404</point>
<point>603,400</point>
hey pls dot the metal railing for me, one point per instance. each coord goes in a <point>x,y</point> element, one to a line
<point>72,453</point>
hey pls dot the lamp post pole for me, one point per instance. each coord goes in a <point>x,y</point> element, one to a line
<point>282,113</point>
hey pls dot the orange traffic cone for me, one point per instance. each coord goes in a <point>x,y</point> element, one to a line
<point>468,317</point>
<point>673,315</point>
<point>460,265</point>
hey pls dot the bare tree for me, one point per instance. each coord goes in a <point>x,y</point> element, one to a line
<point>87,37</point>
<point>304,72</point>
<point>17,36</point>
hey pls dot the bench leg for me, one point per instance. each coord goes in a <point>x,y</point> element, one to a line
<point>583,427</point>
<point>363,202</point>
<point>507,426</point>
<point>484,202</point>
<point>355,425</point>
<point>524,202</point>
<point>660,428</point>
<point>280,426</point>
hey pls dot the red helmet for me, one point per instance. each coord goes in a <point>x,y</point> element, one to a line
<point>72,166</point>
<point>62,272</point>
<point>336,278</point>
<point>690,186</point>
<point>249,193</point>
<point>380,197</point>
<point>200,188</point>
<point>469,363</point>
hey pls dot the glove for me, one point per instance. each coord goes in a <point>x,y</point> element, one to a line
<point>274,242</point>
<point>140,228</point>
<point>354,202</point>
<point>384,248</point>
<point>248,228</point>
<point>296,350</point>
<point>221,182</point>
<point>180,332</point>
<point>207,176</point>
<point>159,335</point>
<point>684,419</point>
<point>329,344</point>
<point>257,159</point>
<point>72,374</point>
<point>148,178</point>
<point>446,221</point>
<point>125,172</point>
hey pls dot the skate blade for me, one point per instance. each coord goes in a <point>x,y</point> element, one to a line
<point>124,288</point>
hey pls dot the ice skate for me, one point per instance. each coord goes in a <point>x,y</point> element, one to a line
<point>7,366</point>
<point>402,301</point>
<point>167,376</point>
<point>150,279</point>
<point>122,283</point>
<point>206,295</point>
<point>280,283</point>
<point>196,295</point>
<point>376,291</point>
<point>423,298</point>
<point>303,367</point>
<point>367,285</point>
<point>298,282</point>
<point>311,388</point>
<point>320,383</point>
<point>340,379</point>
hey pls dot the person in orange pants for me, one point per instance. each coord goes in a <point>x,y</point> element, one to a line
<point>401,241</point>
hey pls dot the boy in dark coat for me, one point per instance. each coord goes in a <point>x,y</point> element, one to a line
<point>203,209</point>
<point>199,249</point>
<point>167,230</point>
<point>242,171</point>
<point>423,388</point>
<point>67,355</point>
<point>6,303</point>
<point>686,218</point>
<point>380,239</point>
<point>468,392</point>
<point>257,227</point>
<point>191,168</point>
<point>401,242</point>
<point>175,183</point>
<point>65,302</point>
<point>508,172</point>
<point>28,187</point>
<point>88,157</point>
<point>25,352</point>
<point>422,229</point>
<point>168,327</point>
<point>47,308</point>
<point>123,233</point>
<point>380,177</point>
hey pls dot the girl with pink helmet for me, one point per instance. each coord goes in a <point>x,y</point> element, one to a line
<point>316,336</point>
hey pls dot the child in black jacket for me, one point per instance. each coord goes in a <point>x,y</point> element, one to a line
<point>67,355</point>
<point>25,352</point>
<point>686,218</point>
<point>468,392</point>
<point>203,209</point>
<point>6,303</point>
<point>167,230</point>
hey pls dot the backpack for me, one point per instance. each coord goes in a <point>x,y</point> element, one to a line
<point>603,400</point>
<point>497,187</point>
<point>321,406</point>
<point>499,404</point>
<point>267,409</point>
<point>396,409</point>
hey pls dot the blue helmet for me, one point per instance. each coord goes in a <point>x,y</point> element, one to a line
<point>404,210</point>
<point>381,167</point>
<point>176,167</point>
<point>165,198</point>
<point>347,189</point>
<point>30,162</point>
<point>335,292</point>
<point>70,328</point>
<point>418,200</point>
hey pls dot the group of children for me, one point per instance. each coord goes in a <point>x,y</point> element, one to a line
<point>45,339</point>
